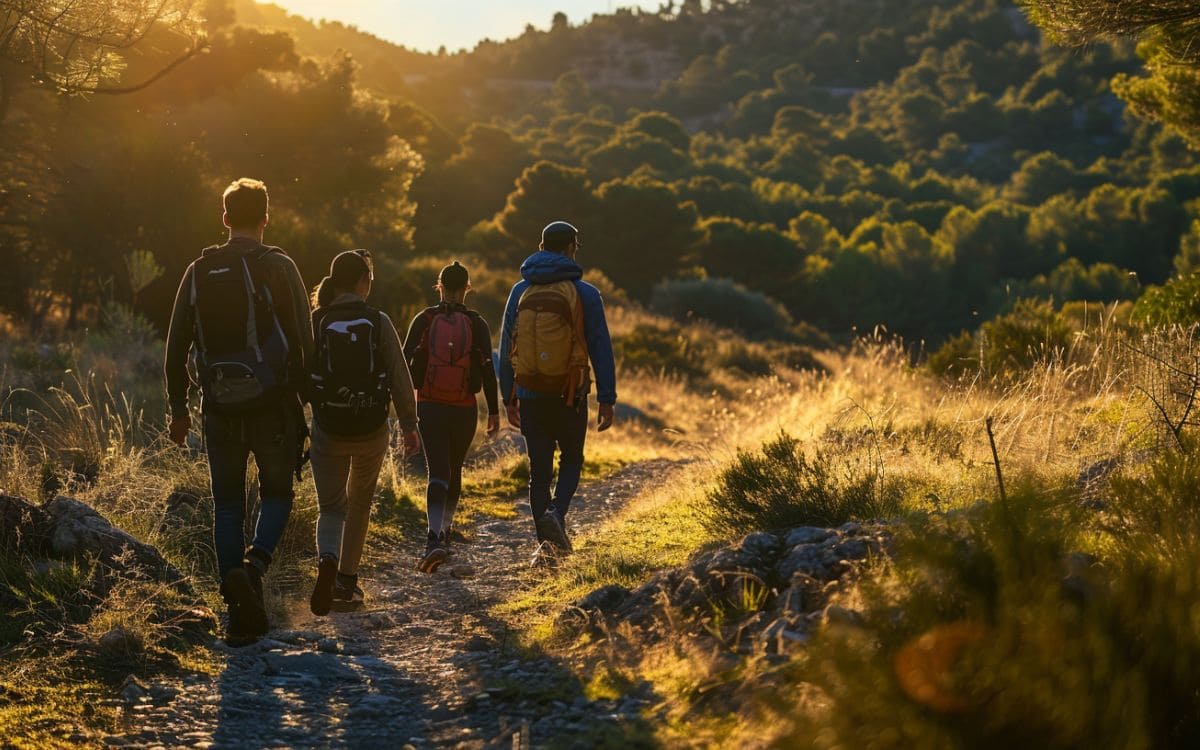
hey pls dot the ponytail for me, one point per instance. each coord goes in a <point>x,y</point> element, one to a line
<point>346,272</point>
<point>324,293</point>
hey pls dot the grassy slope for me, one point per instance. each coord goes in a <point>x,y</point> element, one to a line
<point>926,433</point>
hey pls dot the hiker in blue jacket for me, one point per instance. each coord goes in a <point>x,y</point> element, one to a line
<point>554,326</point>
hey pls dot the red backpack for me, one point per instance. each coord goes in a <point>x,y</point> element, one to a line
<point>448,347</point>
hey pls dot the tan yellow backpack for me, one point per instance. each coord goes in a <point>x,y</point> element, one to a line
<point>550,347</point>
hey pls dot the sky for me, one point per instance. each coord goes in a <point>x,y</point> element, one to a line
<point>428,24</point>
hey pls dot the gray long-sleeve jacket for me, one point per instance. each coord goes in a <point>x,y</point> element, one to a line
<point>291,307</point>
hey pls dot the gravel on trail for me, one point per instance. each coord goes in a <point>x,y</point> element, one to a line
<point>424,665</point>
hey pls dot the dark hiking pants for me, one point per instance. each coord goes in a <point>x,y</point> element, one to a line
<point>446,433</point>
<point>548,424</point>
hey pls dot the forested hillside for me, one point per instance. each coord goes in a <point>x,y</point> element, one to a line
<point>904,300</point>
<point>920,165</point>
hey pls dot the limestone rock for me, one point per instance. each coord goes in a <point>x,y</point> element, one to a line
<point>78,531</point>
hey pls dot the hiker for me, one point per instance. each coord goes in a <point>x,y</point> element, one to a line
<point>242,312</point>
<point>358,370</point>
<point>553,325</point>
<point>449,349</point>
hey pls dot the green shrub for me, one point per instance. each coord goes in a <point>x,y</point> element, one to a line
<point>1175,303</point>
<point>725,303</point>
<point>1008,345</point>
<point>780,487</point>
<point>657,350</point>
<point>994,628</point>
<point>748,358</point>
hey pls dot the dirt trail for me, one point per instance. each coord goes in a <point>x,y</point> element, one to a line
<point>425,665</point>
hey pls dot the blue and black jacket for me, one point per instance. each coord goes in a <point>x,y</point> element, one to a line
<point>545,267</point>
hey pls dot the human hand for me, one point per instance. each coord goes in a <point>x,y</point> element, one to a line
<point>513,411</point>
<point>606,417</point>
<point>412,443</point>
<point>178,430</point>
<point>493,425</point>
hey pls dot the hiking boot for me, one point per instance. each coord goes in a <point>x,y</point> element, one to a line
<point>436,552</point>
<point>347,595</point>
<point>550,529</point>
<point>322,595</point>
<point>244,588</point>
<point>546,555</point>
<point>235,632</point>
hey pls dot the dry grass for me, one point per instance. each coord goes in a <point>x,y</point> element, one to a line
<point>1055,420</point>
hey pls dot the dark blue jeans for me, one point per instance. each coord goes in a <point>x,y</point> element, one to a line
<point>271,436</point>
<point>548,424</point>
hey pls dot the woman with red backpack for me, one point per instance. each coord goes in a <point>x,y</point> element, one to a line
<point>449,352</point>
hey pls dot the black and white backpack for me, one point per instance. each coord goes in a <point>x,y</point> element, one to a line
<point>240,354</point>
<point>349,392</point>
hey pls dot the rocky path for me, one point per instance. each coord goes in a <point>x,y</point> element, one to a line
<point>424,665</point>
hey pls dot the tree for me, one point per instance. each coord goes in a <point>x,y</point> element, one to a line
<point>755,254</point>
<point>79,46</point>
<point>1167,31</point>
<point>642,233</point>
<point>627,152</point>
<point>545,192</point>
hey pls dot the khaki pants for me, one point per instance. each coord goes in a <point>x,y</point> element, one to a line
<point>345,472</point>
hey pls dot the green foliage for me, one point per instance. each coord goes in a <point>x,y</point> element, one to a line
<point>1175,303</point>
<point>1072,281</point>
<point>40,597</point>
<point>723,302</point>
<point>1027,623</point>
<point>658,350</point>
<point>782,486</point>
<point>1008,345</point>
<point>902,164</point>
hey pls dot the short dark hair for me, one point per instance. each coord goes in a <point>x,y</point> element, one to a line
<point>558,235</point>
<point>245,203</point>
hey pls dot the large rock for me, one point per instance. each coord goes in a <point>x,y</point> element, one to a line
<point>767,581</point>
<point>77,531</point>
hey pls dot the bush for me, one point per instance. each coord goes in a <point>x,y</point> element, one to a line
<point>724,303</point>
<point>781,487</point>
<point>1007,345</point>
<point>657,350</point>
<point>994,629</point>
<point>747,358</point>
<point>1175,303</point>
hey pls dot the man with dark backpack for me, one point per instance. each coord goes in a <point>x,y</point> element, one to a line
<point>242,313</point>
<point>554,325</point>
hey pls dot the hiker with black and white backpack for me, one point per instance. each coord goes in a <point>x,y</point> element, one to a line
<point>449,350</point>
<point>358,371</point>
<point>242,313</point>
<point>555,336</point>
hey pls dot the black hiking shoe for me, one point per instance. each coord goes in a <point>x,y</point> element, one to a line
<point>550,529</point>
<point>235,633</point>
<point>436,552</point>
<point>347,594</point>
<point>322,595</point>
<point>244,587</point>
